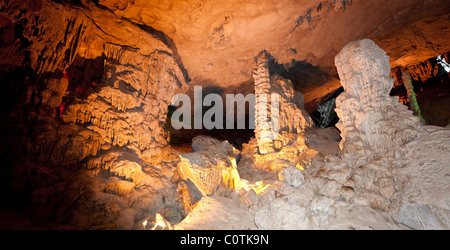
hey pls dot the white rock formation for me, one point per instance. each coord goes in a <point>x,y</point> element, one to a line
<point>396,165</point>
<point>301,209</point>
<point>372,123</point>
<point>423,197</point>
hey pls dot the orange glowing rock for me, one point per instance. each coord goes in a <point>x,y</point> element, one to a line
<point>161,223</point>
<point>211,172</point>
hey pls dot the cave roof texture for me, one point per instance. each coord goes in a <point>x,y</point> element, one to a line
<point>218,40</point>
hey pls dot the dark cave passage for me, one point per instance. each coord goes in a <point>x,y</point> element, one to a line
<point>431,83</point>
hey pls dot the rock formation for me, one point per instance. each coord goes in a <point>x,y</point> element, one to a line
<point>280,118</point>
<point>99,93</point>
<point>413,104</point>
<point>371,122</point>
<point>266,108</point>
<point>423,199</point>
<point>212,169</point>
<point>280,113</point>
<point>86,90</point>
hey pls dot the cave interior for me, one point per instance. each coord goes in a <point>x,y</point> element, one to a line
<point>87,135</point>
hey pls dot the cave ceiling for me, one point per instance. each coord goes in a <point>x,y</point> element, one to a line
<point>218,40</point>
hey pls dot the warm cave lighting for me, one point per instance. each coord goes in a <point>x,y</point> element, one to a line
<point>224,115</point>
<point>259,186</point>
<point>160,223</point>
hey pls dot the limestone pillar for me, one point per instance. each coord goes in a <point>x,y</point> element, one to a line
<point>372,123</point>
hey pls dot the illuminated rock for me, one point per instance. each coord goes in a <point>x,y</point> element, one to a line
<point>117,186</point>
<point>303,210</point>
<point>310,30</point>
<point>372,123</point>
<point>281,120</point>
<point>294,153</point>
<point>277,120</point>
<point>413,104</point>
<point>187,197</point>
<point>281,214</point>
<point>161,223</point>
<point>211,167</point>
<point>213,173</point>
<point>101,112</point>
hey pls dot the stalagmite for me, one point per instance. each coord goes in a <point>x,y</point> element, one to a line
<point>280,118</point>
<point>372,123</point>
<point>264,128</point>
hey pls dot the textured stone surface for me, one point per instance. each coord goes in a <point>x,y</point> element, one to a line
<point>205,33</point>
<point>302,210</point>
<point>423,197</point>
<point>292,176</point>
<point>371,122</point>
<point>277,121</point>
<point>87,85</point>
<point>99,92</point>
<point>217,213</point>
<point>213,169</point>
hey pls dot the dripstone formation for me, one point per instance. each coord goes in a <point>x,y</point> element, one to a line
<point>280,119</point>
<point>372,123</point>
<point>98,92</point>
<point>280,113</point>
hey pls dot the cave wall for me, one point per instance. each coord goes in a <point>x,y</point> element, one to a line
<point>218,40</point>
<point>86,123</point>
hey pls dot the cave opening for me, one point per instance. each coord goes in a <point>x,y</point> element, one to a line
<point>181,139</point>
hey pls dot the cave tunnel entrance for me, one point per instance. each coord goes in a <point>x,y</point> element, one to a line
<point>181,139</point>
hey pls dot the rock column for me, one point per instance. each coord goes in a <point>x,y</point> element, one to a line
<point>263,130</point>
<point>372,123</point>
